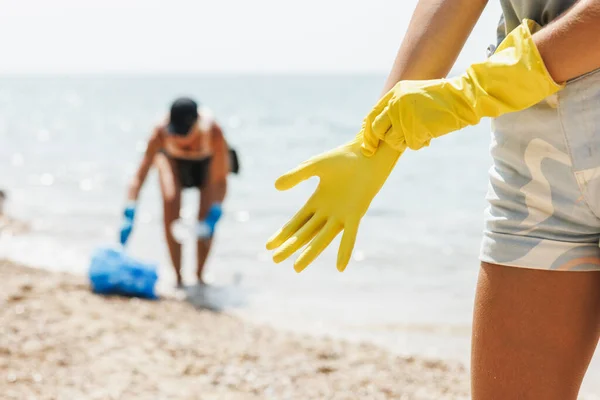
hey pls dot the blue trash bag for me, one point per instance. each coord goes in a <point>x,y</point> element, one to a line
<point>114,272</point>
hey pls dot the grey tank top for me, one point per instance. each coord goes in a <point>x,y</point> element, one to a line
<point>541,11</point>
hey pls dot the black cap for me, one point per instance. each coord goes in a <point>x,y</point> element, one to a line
<point>184,114</point>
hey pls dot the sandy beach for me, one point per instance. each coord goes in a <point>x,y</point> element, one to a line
<point>60,341</point>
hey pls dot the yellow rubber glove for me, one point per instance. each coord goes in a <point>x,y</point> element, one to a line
<point>348,183</point>
<point>413,112</point>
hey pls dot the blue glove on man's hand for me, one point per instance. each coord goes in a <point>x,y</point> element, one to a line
<point>127,223</point>
<point>206,229</point>
<point>214,215</point>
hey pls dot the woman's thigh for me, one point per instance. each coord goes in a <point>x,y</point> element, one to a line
<point>534,332</point>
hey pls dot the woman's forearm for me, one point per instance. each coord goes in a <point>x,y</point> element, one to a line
<point>436,34</point>
<point>569,45</point>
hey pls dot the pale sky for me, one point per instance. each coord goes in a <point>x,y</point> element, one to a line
<point>149,36</point>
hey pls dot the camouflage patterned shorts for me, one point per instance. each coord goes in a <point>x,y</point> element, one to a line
<point>544,192</point>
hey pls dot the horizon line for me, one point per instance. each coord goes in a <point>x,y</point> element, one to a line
<point>132,73</point>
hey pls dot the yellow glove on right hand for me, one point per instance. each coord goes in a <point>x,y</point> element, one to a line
<point>348,183</point>
<point>413,112</point>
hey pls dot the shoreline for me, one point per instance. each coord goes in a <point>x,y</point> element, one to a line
<point>59,340</point>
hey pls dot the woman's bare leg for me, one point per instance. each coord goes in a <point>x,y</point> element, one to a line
<point>534,332</point>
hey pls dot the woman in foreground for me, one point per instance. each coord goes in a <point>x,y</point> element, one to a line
<point>536,320</point>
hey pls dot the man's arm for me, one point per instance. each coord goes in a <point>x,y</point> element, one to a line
<point>569,45</point>
<point>154,144</point>
<point>436,34</point>
<point>220,164</point>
